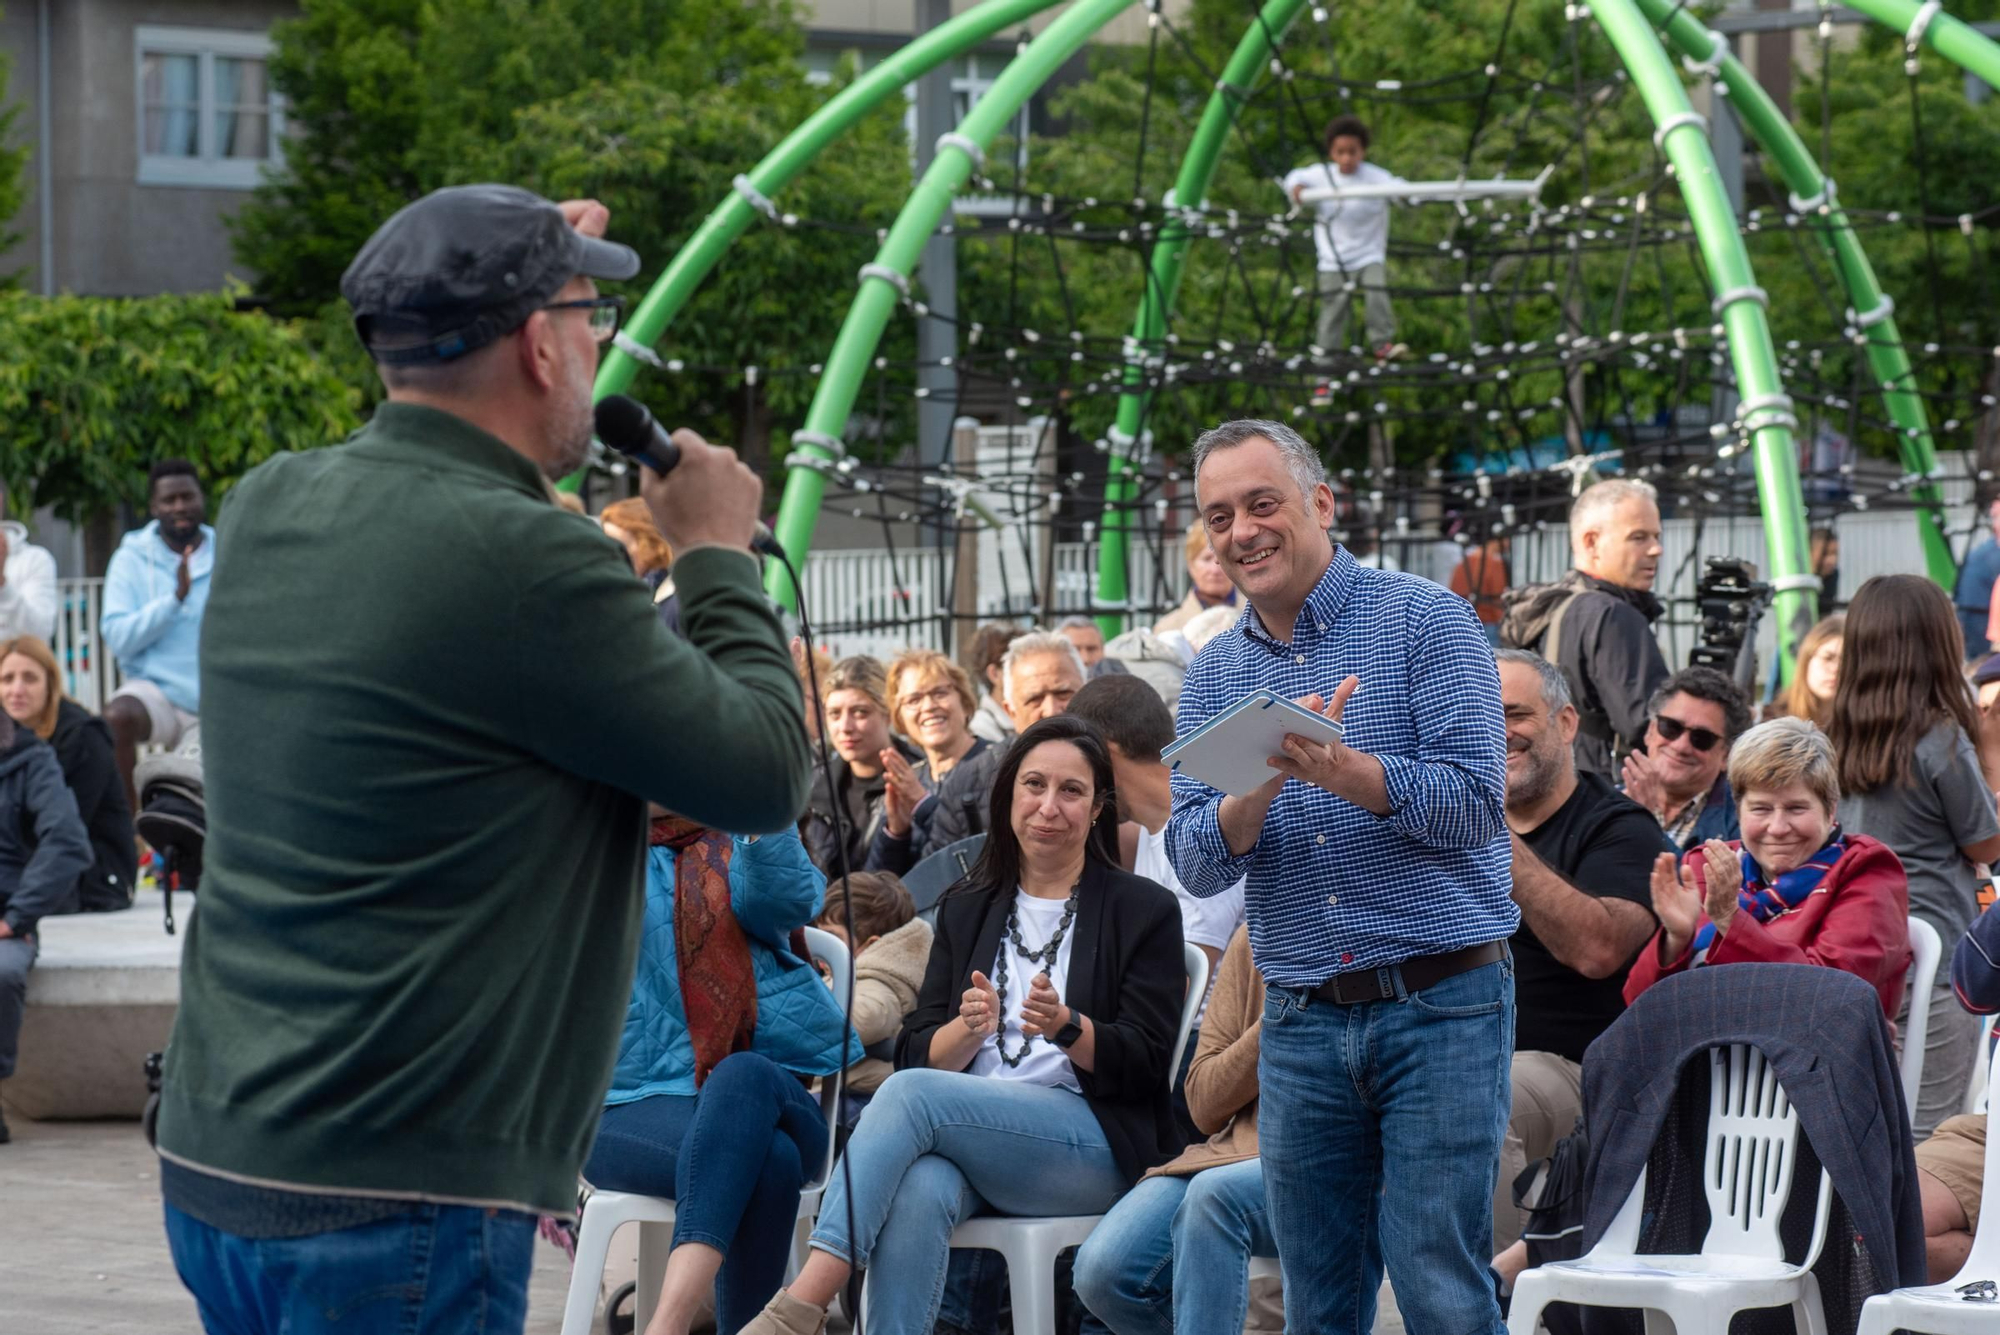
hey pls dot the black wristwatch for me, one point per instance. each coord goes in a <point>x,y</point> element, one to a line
<point>1068,1034</point>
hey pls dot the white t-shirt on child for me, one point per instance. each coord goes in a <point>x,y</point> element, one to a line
<point>1348,233</point>
<point>1045,1064</point>
<point>1204,922</point>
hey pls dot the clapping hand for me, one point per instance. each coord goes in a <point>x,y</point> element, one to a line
<point>904,791</point>
<point>183,581</point>
<point>1723,872</point>
<point>1043,1013</point>
<point>1675,903</point>
<point>1317,763</point>
<point>1641,784</point>
<point>979,1007</point>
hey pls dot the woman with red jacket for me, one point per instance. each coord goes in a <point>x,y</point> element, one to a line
<point>1795,890</point>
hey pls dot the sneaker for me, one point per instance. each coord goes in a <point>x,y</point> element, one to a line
<point>1389,352</point>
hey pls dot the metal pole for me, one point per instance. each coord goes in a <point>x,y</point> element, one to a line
<point>1766,412</point>
<point>817,447</point>
<point>1871,316</point>
<point>45,139</point>
<point>937,333</point>
<point>1131,441</point>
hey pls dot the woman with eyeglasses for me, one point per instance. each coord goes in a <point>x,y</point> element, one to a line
<point>931,701</point>
<point>1795,889</point>
<point>1691,721</point>
<point>1031,1079</point>
<point>1904,725</point>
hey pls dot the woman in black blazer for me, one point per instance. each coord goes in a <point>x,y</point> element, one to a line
<point>1031,1079</point>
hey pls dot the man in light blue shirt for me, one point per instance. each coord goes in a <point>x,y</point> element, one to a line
<point>154,593</point>
<point>1378,893</point>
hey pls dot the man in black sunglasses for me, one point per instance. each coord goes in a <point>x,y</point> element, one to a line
<point>1682,775</point>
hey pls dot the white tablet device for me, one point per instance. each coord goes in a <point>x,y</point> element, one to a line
<point>1230,750</point>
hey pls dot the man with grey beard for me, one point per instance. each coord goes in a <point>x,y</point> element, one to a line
<point>1582,856</point>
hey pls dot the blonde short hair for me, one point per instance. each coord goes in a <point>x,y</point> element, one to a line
<point>1197,540</point>
<point>1781,753</point>
<point>929,665</point>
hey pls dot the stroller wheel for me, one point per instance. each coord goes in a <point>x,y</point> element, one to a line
<point>617,1321</point>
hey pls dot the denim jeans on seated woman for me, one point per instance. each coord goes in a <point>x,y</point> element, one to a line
<point>732,1158</point>
<point>1173,1257</point>
<point>430,1270</point>
<point>936,1148</point>
<point>1388,1118</point>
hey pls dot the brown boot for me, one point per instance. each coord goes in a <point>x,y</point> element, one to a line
<point>786,1315</point>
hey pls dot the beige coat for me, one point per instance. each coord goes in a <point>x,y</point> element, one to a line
<point>886,978</point>
<point>1222,1081</point>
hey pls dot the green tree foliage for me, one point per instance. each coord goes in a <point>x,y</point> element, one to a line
<point>652,106</point>
<point>93,390</point>
<point>13,186</point>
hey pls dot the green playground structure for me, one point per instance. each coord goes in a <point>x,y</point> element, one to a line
<point>1640,31</point>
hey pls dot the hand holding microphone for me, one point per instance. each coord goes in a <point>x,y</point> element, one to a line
<point>714,498</point>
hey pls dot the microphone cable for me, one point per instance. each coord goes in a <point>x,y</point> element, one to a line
<point>817,708</point>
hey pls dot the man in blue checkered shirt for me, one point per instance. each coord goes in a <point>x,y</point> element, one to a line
<point>1378,897</point>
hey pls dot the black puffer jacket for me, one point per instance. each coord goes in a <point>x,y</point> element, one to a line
<point>43,847</point>
<point>83,745</point>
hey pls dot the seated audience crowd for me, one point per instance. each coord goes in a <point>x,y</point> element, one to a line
<point>1012,1036</point>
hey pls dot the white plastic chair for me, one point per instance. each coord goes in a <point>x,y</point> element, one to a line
<point>1032,1245</point>
<point>1926,950</point>
<point>606,1211</point>
<point>1938,1309</point>
<point>1747,1175</point>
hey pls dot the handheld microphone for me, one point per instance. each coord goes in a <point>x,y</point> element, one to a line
<point>624,424</point>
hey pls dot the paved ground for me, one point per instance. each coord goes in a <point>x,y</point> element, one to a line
<point>82,1247</point>
<point>81,1252</point>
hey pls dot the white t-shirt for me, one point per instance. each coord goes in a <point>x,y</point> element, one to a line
<point>1204,922</point>
<point>1045,1064</point>
<point>1348,233</point>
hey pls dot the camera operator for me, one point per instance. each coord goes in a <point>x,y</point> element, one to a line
<point>435,709</point>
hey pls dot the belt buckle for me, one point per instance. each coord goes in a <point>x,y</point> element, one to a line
<point>1361,979</point>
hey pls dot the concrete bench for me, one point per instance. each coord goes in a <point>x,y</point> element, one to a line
<point>101,996</point>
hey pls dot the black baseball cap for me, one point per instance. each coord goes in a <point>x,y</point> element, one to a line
<point>465,265</point>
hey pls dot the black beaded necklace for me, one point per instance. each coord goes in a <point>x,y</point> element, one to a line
<point>1044,956</point>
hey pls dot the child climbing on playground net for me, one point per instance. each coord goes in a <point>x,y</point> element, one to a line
<point>1352,239</point>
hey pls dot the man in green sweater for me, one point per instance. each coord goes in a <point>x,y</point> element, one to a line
<point>435,708</point>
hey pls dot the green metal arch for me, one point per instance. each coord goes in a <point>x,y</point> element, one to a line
<point>885,281</point>
<point>693,262</point>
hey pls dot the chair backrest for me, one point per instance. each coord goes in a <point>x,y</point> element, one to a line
<point>1925,952</point>
<point>831,951</point>
<point>1752,1150</point>
<point>1197,988</point>
<point>1975,1093</point>
<point>929,879</point>
<point>1984,1260</point>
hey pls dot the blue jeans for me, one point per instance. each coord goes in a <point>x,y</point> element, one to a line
<point>733,1159</point>
<point>1173,1257</point>
<point>1388,1117</point>
<point>937,1147</point>
<point>435,1270</point>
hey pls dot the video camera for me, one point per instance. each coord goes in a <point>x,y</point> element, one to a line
<point>1730,600</point>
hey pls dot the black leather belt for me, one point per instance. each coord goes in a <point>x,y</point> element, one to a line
<point>1350,989</point>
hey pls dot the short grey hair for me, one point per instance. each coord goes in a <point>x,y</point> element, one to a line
<point>1307,468</point>
<point>1078,622</point>
<point>1555,686</point>
<point>1031,645</point>
<point>1600,499</point>
<point>1781,753</point>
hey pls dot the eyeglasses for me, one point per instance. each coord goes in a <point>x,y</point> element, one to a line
<point>1701,739</point>
<point>936,695</point>
<point>605,313</point>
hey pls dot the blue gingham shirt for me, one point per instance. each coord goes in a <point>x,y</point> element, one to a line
<point>1334,887</point>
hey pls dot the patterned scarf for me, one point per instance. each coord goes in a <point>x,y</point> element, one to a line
<point>1765,900</point>
<point>718,979</point>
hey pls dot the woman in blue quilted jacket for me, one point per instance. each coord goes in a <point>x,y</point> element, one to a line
<point>708,1105</point>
